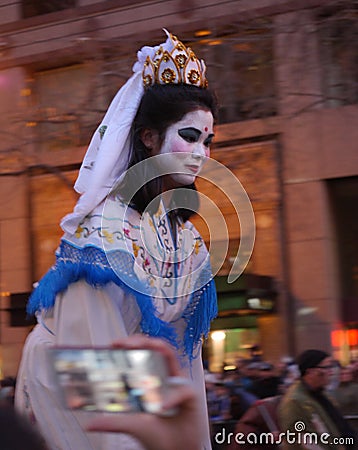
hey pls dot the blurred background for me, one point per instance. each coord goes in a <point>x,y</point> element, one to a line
<point>286,76</point>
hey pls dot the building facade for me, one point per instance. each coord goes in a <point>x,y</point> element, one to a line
<point>286,77</point>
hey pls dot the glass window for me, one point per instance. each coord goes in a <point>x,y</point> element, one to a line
<point>68,104</point>
<point>339,56</point>
<point>52,198</point>
<point>240,69</point>
<point>344,198</point>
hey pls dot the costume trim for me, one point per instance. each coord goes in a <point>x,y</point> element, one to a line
<point>200,311</point>
<point>91,265</point>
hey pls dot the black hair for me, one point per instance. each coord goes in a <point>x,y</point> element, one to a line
<point>160,107</point>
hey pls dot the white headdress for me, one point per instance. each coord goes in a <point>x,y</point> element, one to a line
<point>109,151</point>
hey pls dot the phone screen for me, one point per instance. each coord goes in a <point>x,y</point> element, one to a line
<point>110,380</point>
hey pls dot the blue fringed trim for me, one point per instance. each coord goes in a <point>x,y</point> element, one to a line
<point>201,310</point>
<point>90,264</point>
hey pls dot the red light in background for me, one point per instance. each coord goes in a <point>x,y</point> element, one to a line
<point>337,338</point>
<point>340,338</point>
<point>352,337</point>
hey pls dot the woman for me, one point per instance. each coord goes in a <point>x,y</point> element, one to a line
<point>130,261</point>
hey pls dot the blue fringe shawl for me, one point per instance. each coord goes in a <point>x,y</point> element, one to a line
<point>91,265</point>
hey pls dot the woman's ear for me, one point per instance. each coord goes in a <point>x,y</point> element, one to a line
<point>151,140</point>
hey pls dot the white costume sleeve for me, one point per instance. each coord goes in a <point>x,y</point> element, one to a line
<point>88,316</point>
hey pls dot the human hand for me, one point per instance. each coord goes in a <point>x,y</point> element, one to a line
<point>158,432</point>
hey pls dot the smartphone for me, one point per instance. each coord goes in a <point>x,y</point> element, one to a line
<point>111,380</point>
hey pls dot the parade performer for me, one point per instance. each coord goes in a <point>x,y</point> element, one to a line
<point>130,261</point>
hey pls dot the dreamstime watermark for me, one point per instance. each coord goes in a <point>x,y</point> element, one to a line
<point>299,436</point>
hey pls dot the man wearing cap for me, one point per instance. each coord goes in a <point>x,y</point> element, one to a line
<point>305,411</point>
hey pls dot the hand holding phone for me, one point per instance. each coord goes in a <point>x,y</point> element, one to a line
<point>158,432</point>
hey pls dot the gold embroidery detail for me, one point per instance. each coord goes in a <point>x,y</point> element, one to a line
<point>196,247</point>
<point>135,249</point>
<point>108,236</point>
<point>79,231</point>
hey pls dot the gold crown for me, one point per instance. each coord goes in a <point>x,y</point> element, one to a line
<point>179,65</point>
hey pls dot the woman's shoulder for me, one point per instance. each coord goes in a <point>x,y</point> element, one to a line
<point>106,226</point>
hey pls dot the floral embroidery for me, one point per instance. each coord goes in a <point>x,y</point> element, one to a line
<point>197,246</point>
<point>161,266</point>
<point>163,257</point>
<point>108,236</point>
<point>79,231</point>
<point>136,249</point>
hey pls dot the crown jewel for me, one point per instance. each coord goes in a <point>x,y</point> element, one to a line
<point>173,65</point>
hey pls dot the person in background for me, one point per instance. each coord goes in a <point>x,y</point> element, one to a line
<point>354,365</point>
<point>219,402</point>
<point>267,383</point>
<point>290,375</point>
<point>248,373</point>
<point>256,353</point>
<point>346,396</point>
<point>241,399</point>
<point>259,420</point>
<point>305,403</point>
<point>334,377</point>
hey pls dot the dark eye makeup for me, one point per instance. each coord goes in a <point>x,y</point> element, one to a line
<point>189,134</point>
<point>192,135</point>
<point>208,140</point>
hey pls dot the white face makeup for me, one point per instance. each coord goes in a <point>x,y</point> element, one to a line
<point>188,142</point>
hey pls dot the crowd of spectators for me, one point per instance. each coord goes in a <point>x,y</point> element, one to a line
<point>246,398</point>
<point>231,392</point>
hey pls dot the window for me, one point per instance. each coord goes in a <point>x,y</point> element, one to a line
<point>68,106</point>
<point>240,69</point>
<point>338,32</point>
<point>344,197</point>
<point>51,198</point>
<point>31,8</point>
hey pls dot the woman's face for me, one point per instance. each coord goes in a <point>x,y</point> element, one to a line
<point>186,146</point>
